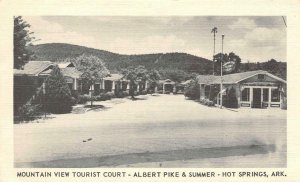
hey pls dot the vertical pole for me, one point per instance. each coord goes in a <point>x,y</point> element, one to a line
<point>221,96</point>
<point>44,99</point>
<point>214,53</point>
<point>270,92</point>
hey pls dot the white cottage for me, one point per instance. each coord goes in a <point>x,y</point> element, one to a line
<point>254,89</point>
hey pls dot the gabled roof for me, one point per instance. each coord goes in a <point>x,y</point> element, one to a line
<point>65,65</point>
<point>207,79</point>
<point>114,77</point>
<point>34,68</point>
<point>237,77</point>
<point>71,72</point>
<point>185,82</point>
<point>234,78</point>
<point>167,81</point>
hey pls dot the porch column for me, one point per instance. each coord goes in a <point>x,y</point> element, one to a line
<point>146,85</point>
<point>163,88</point>
<point>103,84</point>
<point>199,91</point>
<point>128,86</point>
<point>75,84</point>
<point>174,88</point>
<point>269,102</point>
<point>251,96</point>
<point>138,87</point>
<point>113,86</point>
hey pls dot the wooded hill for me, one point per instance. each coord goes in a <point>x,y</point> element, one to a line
<point>176,66</point>
<point>175,61</point>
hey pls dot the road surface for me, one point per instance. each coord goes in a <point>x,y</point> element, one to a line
<point>154,131</point>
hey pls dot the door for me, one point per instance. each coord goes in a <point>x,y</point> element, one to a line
<point>256,103</point>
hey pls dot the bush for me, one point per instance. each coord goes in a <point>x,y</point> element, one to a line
<point>29,112</point>
<point>230,99</point>
<point>58,97</point>
<point>82,99</point>
<point>126,93</point>
<point>192,90</point>
<point>143,92</point>
<point>206,102</point>
<point>111,95</point>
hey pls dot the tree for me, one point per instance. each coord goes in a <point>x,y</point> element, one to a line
<point>92,68</point>
<point>175,75</point>
<point>22,40</point>
<point>154,76</point>
<point>58,97</point>
<point>231,57</point>
<point>135,75</point>
<point>192,89</point>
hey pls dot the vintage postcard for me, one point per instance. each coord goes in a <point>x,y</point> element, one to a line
<point>183,96</point>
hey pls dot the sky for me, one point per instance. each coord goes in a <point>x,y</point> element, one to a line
<point>253,38</point>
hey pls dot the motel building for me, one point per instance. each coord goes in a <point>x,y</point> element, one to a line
<point>253,89</point>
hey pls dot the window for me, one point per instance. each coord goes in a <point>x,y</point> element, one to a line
<point>266,95</point>
<point>275,97</point>
<point>261,76</point>
<point>246,94</point>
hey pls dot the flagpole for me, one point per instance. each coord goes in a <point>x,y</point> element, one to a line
<point>221,87</point>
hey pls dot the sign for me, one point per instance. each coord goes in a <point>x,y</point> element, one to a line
<point>228,67</point>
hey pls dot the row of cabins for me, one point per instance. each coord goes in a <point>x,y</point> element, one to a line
<point>38,71</point>
<point>253,89</point>
<point>28,81</point>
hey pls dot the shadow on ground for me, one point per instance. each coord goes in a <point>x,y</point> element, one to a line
<point>146,157</point>
<point>138,98</point>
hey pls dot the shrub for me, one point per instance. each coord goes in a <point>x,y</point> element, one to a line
<point>206,102</point>
<point>192,90</point>
<point>58,97</point>
<point>230,99</point>
<point>29,112</point>
<point>111,94</point>
<point>126,93</point>
<point>143,92</point>
<point>82,99</point>
<point>122,94</point>
<point>160,91</point>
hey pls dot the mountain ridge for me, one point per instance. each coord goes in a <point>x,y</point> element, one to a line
<point>174,60</point>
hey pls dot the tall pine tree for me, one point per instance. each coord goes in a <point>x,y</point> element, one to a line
<point>22,39</point>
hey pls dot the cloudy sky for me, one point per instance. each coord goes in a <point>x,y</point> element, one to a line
<point>252,38</point>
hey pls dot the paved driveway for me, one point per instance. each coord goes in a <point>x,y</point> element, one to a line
<point>155,131</point>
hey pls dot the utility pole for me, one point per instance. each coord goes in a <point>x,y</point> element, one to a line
<point>214,31</point>
<point>221,87</point>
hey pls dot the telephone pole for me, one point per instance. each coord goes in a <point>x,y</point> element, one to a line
<point>221,87</point>
<point>214,31</point>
